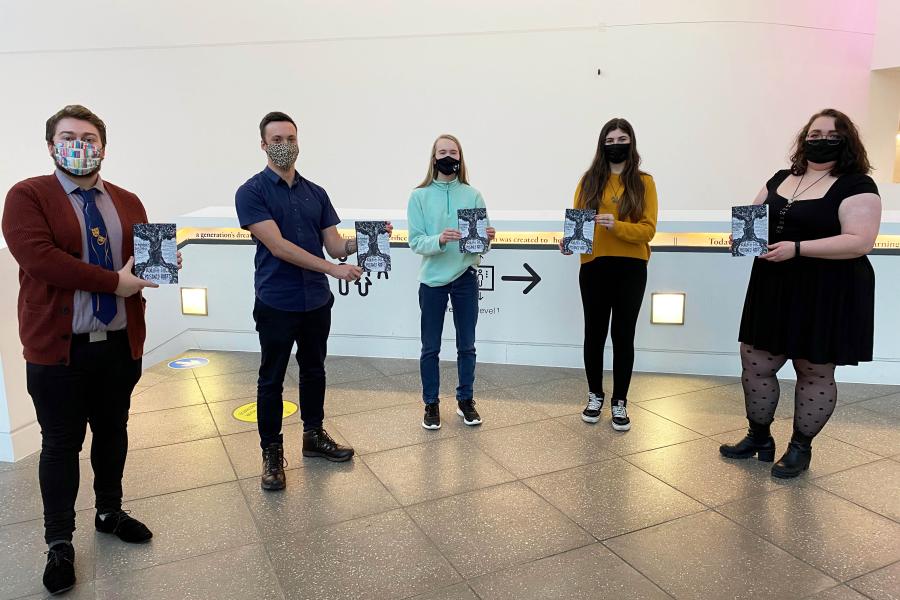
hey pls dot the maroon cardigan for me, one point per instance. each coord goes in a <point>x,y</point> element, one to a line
<point>44,236</point>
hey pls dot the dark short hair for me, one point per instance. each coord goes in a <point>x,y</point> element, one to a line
<point>75,111</point>
<point>273,117</point>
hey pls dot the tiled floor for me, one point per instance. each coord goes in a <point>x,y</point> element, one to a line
<point>534,504</point>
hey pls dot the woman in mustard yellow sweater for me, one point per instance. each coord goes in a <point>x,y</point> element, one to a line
<point>614,277</point>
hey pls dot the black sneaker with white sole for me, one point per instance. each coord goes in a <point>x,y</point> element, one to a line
<point>466,410</point>
<point>620,420</point>
<point>591,413</point>
<point>432,419</point>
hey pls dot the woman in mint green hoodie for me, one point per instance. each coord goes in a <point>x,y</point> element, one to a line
<point>446,273</point>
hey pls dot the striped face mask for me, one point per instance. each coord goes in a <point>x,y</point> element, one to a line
<point>78,158</point>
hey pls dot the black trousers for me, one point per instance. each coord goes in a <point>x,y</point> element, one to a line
<point>611,286</point>
<point>278,331</point>
<point>94,388</point>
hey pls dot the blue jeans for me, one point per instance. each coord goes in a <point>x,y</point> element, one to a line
<point>463,295</point>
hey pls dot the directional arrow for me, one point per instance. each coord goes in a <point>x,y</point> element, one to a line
<point>534,278</point>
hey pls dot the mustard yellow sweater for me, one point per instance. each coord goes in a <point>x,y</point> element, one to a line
<point>625,238</point>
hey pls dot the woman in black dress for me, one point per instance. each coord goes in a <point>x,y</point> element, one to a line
<point>811,298</point>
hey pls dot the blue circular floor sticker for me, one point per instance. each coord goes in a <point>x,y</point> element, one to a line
<point>189,362</point>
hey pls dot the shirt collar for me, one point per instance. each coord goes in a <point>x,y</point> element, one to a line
<point>275,177</point>
<point>70,186</point>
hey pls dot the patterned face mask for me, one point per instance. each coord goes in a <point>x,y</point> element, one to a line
<point>77,158</point>
<point>283,155</point>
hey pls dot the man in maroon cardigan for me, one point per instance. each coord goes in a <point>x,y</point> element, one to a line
<point>81,321</point>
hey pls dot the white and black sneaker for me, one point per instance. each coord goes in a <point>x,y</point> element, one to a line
<point>591,413</point>
<point>466,410</point>
<point>620,420</point>
<point>432,419</point>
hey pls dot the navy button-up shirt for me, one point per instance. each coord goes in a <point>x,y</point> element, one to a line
<point>302,211</point>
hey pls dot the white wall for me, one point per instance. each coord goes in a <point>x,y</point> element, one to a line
<point>715,89</point>
<point>887,41</point>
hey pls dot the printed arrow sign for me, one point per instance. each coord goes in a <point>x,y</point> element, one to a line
<point>534,278</point>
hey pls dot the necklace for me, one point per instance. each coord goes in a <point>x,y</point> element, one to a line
<point>796,195</point>
<point>616,195</point>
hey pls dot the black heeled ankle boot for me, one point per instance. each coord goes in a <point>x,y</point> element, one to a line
<point>758,441</point>
<point>796,459</point>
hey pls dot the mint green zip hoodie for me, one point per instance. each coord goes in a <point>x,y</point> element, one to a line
<point>431,210</point>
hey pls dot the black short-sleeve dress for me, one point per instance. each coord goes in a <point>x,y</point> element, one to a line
<point>816,309</point>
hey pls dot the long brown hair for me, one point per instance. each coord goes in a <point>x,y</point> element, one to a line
<point>853,159</point>
<point>631,206</point>
<point>432,168</point>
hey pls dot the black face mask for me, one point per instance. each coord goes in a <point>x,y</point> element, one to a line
<point>447,165</point>
<point>616,153</point>
<point>819,151</point>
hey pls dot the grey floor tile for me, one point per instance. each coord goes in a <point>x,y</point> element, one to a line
<point>320,494</point>
<point>236,574</point>
<point>233,386</point>
<point>436,469</point>
<point>855,392</point>
<point>707,556</point>
<point>20,494</point>
<point>460,591</point>
<point>875,486</point>
<point>341,369</point>
<point>841,592</point>
<point>227,423</point>
<point>172,426</point>
<point>647,386</point>
<point>246,455</point>
<point>223,363</point>
<point>345,401</point>
<point>168,394</point>
<point>28,462</point>
<point>393,427</point>
<point>885,405</point>
<point>829,455</point>
<point>162,372</point>
<point>504,376</point>
<point>498,527</point>
<point>167,469</point>
<point>883,584</point>
<point>22,549</point>
<point>81,591</point>
<point>589,573</point>
<point>713,410</point>
<point>184,524</point>
<point>554,398</point>
<point>648,431</point>
<point>395,366</point>
<point>613,497</point>
<point>865,429</point>
<point>381,557</point>
<point>541,447</point>
<point>825,531</point>
<point>697,469</point>
<point>497,409</point>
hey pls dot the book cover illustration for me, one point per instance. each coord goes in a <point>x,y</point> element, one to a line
<point>155,249</point>
<point>473,226</point>
<point>578,230</point>
<point>750,230</point>
<point>373,243</point>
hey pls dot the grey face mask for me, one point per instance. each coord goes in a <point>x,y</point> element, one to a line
<point>283,155</point>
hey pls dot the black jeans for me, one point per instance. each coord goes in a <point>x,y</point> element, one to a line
<point>278,331</point>
<point>611,285</point>
<point>94,388</point>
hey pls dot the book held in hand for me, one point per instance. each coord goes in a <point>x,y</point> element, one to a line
<point>473,226</point>
<point>373,246</point>
<point>578,230</point>
<point>155,249</point>
<point>750,230</point>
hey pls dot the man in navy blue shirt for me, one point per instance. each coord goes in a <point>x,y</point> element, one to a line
<point>291,220</point>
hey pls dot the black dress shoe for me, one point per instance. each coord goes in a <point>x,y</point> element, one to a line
<point>124,526</point>
<point>317,443</point>
<point>758,441</point>
<point>59,574</point>
<point>796,459</point>
<point>273,467</point>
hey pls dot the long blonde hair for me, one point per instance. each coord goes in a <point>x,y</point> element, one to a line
<point>432,168</point>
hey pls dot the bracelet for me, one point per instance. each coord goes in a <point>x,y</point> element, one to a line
<point>796,249</point>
